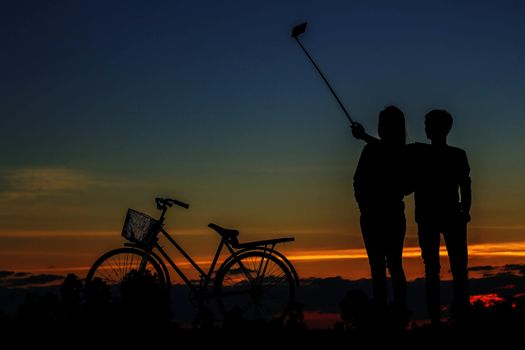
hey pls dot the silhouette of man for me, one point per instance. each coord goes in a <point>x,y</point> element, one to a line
<point>440,177</point>
<point>379,191</point>
<point>442,198</point>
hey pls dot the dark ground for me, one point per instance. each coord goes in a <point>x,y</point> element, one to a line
<point>61,315</point>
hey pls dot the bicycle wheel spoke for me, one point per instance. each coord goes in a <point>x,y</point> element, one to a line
<point>267,273</point>
<point>126,261</point>
<point>115,266</point>
<point>106,276</point>
<point>259,270</point>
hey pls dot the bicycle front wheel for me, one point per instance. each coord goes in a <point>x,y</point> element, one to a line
<point>125,269</point>
<point>254,286</point>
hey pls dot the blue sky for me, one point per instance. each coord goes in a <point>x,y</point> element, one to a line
<point>107,104</point>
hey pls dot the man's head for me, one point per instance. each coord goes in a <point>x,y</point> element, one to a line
<point>391,126</point>
<point>438,123</point>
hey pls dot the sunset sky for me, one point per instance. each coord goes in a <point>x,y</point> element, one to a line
<point>106,105</point>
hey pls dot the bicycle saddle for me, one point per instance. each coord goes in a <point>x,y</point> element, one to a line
<point>224,232</point>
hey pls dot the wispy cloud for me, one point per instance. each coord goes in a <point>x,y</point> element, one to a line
<point>46,181</point>
<point>10,279</point>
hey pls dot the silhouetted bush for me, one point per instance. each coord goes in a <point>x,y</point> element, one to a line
<point>356,310</point>
<point>97,301</point>
<point>295,319</point>
<point>204,318</point>
<point>40,309</point>
<point>143,298</point>
<point>71,296</point>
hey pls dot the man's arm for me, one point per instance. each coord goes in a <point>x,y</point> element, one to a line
<point>359,133</point>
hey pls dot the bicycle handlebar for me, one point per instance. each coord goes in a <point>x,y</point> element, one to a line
<point>163,203</point>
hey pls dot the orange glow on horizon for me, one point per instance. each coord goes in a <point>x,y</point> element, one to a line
<point>484,250</point>
<point>512,249</point>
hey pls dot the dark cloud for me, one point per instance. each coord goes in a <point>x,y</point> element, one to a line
<point>504,284</point>
<point>10,279</point>
<point>7,277</point>
<point>4,274</point>
<point>482,268</point>
<point>22,274</point>
<point>32,280</point>
<point>519,268</point>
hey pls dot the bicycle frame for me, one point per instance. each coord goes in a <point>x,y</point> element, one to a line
<point>205,278</point>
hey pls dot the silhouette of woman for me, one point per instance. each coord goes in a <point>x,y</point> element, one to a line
<point>379,187</point>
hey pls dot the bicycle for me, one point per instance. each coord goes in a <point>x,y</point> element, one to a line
<point>255,282</point>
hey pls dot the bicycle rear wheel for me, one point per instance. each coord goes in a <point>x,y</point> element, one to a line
<point>126,269</point>
<point>254,286</point>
